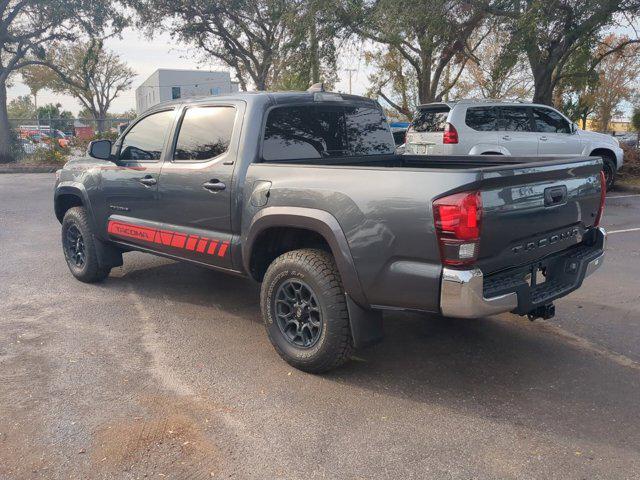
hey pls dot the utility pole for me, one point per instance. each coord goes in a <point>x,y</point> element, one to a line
<point>351,71</point>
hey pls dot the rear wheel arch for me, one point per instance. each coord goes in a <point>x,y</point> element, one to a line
<point>277,230</point>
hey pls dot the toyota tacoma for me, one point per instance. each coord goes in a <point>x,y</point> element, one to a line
<point>304,193</point>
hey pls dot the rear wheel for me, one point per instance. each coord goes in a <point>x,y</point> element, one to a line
<point>305,310</point>
<point>79,247</point>
<point>609,169</point>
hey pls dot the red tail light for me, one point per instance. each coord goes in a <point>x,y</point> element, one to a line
<point>458,220</point>
<point>603,195</point>
<point>450,134</point>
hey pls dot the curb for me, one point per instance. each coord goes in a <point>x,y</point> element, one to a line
<point>621,186</point>
<point>29,168</point>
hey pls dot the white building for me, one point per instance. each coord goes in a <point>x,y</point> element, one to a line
<point>165,84</point>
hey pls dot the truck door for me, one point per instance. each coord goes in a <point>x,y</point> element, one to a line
<point>194,191</point>
<point>130,185</point>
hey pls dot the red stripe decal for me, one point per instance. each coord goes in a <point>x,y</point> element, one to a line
<point>202,245</point>
<point>166,237</point>
<point>191,243</point>
<point>212,247</point>
<point>178,240</point>
<point>223,249</point>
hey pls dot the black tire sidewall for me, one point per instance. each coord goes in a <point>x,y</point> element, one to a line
<point>91,271</point>
<point>609,165</point>
<point>329,303</point>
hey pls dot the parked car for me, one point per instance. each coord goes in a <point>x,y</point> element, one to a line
<point>303,192</point>
<point>44,134</point>
<point>493,127</point>
<point>27,146</point>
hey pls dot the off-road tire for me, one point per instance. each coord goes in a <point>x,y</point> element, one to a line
<point>609,168</point>
<point>317,269</point>
<point>91,270</point>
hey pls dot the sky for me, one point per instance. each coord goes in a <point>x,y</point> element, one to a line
<point>145,55</point>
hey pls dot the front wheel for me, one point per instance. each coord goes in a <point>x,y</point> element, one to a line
<point>79,247</point>
<point>305,310</point>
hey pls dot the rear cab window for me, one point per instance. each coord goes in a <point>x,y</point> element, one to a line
<point>313,132</point>
<point>431,119</point>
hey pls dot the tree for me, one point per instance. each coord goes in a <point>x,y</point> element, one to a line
<point>495,69</point>
<point>91,74</point>
<point>550,31</point>
<point>28,28</point>
<point>36,78</point>
<point>264,42</point>
<point>21,108</point>
<point>617,80</point>
<point>393,74</point>
<point>635,122</point>
<point>52,115</point>
<point>433,37</point>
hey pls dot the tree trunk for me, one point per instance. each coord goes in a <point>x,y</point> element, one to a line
<point>5,127</point>
<point>543,85</point>
<point>315,55</point>
<point>100,121</point>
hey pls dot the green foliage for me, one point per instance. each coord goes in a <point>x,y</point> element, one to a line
<point>267,43</point>
<point>48,155</point>
<point>635,119</point>
<point>21,107</point>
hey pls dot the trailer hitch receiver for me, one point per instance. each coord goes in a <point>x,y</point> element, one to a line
<point>544,312</point>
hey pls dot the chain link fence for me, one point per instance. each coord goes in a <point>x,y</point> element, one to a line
<point>53,140</point>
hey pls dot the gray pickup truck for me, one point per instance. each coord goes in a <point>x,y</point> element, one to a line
<point>303,192</point>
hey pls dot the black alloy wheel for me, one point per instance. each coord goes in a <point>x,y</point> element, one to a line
<point>74,246</point>
<point>298,314</point>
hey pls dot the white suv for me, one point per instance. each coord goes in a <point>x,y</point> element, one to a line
<point>494,127</point>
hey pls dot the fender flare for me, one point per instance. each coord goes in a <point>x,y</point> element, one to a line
<point>77,190</point>
<point>318,221</point>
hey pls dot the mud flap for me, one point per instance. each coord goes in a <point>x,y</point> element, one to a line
<point>366,325</point>
<point>107,254</point>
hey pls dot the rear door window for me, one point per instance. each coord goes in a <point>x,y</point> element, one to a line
<point>549,121</point>
<point>318,131</point>
<point>515,119</point>
<point>205,133</point>
<point>431,119</point>
<point>482,119</point>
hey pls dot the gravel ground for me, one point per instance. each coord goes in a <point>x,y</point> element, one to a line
<point>165,371</point>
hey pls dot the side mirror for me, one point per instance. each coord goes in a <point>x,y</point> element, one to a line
<point>574,127</point>
<point>100,149</point>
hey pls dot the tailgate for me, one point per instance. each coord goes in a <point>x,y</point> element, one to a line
<point>530,212</point>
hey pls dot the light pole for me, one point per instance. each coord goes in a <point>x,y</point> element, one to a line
<point>350,71</point>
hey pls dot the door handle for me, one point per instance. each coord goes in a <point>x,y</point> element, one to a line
<point>148,181</point>
<point>214,185</point>
<point>506,137</point>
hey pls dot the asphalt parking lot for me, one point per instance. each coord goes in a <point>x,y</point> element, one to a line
<point>165,371</point>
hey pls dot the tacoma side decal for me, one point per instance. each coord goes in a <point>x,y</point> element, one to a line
<point>168,238</point>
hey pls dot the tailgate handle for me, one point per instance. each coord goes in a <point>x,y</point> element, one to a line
<point>555,195</point>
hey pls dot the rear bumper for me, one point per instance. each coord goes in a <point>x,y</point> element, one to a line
<point>468,294</point>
